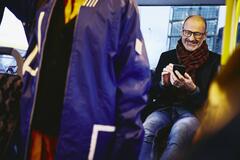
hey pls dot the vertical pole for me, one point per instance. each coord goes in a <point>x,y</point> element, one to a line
<point>230,29</point>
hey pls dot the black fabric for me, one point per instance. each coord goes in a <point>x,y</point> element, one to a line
<point>172,96</point>
<point>224,145</point>
<point>53,73</point>
<point>10,92</point>
<point>2,6</point>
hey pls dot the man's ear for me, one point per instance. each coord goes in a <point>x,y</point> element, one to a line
<point>205,36</point>
<point>181,33</point>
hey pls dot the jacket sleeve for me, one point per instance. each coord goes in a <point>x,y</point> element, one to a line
<point>156,86</point>
<point>133,78</point>
<point>198,97</point>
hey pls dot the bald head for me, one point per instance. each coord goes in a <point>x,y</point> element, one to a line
<point>197,19</point>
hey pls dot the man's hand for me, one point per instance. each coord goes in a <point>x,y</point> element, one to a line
<point>179,81</point>
<point>165,79</point>
<point>184,82</point>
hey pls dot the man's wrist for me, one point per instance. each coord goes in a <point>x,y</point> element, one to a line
<point>194,87</point>
<point>195,90</point>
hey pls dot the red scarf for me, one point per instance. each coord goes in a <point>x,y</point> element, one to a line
<point>192,60</point>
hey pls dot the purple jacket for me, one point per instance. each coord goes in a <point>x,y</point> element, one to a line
<point>107,81</point>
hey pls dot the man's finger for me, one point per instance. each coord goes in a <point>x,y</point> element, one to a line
<point>167,70</point>
<point>170,65</point>
<point>174,78</point>
<point>187,75</point>
<point>164,72</point>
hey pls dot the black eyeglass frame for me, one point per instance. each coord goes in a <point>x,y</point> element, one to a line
<point>189,33</point>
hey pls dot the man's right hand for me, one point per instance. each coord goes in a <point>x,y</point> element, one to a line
<point>165,76</point>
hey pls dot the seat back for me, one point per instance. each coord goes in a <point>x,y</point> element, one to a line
<point>10,92</point>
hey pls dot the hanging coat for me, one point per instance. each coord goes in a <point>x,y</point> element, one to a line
<point>107,79</point>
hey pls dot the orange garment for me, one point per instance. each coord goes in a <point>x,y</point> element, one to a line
<point>42,147</point>
<point>72,8</point>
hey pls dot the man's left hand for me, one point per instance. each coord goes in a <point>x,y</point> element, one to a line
<point>185,82</point>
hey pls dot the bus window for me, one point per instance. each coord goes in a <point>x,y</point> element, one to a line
<point>12,35</point>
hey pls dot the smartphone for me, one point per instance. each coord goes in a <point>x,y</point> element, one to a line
<point>179,68</point>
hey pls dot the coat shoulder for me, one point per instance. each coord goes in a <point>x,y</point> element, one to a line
<point>214,56</point>
<point>168,54</point>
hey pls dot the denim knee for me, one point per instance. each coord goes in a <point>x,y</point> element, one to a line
<point>154,122</point>
<point>183,130</point>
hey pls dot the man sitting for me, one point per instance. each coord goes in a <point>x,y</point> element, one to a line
<point>180,95</point>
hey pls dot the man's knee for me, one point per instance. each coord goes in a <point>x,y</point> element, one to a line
<point>183,130</point>
<point>152,125</point>
<point>156,120</point>
<point>186,124</point>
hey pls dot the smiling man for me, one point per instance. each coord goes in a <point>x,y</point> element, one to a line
<point>194,32</point>
<point>177,96</point>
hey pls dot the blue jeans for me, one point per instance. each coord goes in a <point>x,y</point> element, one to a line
<point>184,125</point>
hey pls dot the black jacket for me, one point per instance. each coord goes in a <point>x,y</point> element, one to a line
<point>171,96</point>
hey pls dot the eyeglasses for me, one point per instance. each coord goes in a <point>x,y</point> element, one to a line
<point>188,33</point>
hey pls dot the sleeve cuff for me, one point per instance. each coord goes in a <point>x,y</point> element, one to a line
<point>195,92</point>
